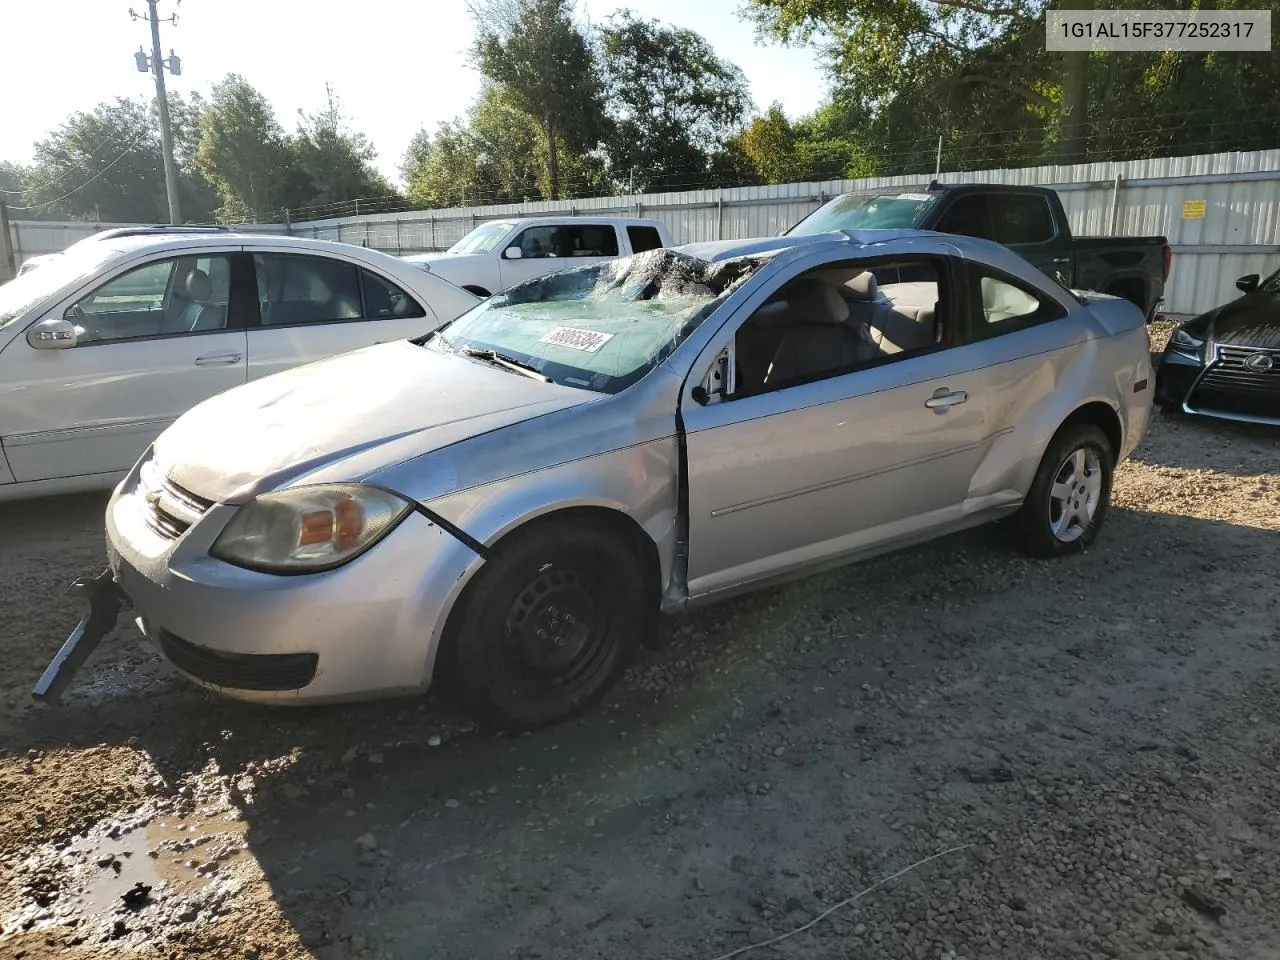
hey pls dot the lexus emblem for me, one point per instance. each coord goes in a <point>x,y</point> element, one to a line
<point>1259,362</point>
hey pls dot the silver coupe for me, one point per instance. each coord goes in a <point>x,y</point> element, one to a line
<point>505,506</point>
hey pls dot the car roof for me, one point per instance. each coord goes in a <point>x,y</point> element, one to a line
<point>134,243</point>
<point>716,250</point>
<point>585,216</point>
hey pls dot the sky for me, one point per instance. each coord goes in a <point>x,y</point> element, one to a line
<point>395,65</point>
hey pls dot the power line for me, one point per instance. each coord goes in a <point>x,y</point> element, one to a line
<point>71,193</point>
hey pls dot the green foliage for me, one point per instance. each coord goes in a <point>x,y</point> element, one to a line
<point>673,103</point>
<point>105,165</point>
<point>819,147</point>
<point>337,161</point>
<point>245,154</point>
<point>534,52</point>
<point>977,72</point>
<point>494,155</point>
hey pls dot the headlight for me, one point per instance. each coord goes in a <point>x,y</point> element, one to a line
<point>307,529</point>
<point>1186,344</point>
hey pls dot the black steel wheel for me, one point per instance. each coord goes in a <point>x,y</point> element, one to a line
<point>548,625</point>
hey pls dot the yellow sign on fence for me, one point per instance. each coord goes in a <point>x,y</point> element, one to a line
<point>1194,209</point>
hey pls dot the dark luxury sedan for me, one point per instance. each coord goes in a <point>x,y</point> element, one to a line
<point>1226,363</point>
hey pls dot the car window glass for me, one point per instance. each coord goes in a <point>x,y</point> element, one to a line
<point>838,319</point>
<point>1005,306</point>
<point>1020,219</point>
<point>537,242</point>
<point>295,289</point>
<point>384,299</point>
<point>643,238</point>
<point>968,216</point>
<point>162,298</point>
<point>588,241</point>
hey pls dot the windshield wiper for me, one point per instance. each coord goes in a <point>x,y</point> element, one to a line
<point>508,363</point>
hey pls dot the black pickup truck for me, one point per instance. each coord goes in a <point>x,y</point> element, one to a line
<point>1028,220</point>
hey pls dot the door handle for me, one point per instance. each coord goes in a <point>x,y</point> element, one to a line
<point>943,399</point>
<point>218,359</point>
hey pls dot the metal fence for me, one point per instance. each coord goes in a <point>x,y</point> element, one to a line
<point>1221,213</point>
<point>34,238</point>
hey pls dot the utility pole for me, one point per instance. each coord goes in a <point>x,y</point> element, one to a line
<point>156,65</point>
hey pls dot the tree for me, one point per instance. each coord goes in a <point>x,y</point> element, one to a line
<point>545,67</point>
<point>337,160</point>
<point>673,102</point>
<point>246,155</point>
<point>13,177</point>
<point>100,165</point>
<point>494,155</point>
<point>817,147</point>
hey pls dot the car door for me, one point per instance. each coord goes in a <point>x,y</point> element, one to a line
<point>312,306</point>
<point>879,448</point>
<point>541,252</point>
<point>151,342</point>
<point>1028,345</point>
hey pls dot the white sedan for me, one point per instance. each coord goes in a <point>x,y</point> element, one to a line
<point>104,346</point>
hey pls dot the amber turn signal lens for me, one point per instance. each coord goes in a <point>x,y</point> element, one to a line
<point>316,527</point>
<point>349,525</point>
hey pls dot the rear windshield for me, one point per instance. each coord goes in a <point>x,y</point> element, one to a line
<point>604,326</point>
<point>851,212</point>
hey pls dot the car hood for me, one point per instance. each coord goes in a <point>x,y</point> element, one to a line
<point>434,260</point>
<point>346,418</point>
<point>1251,321</point>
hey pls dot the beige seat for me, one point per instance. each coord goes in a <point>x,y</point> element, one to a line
<point>908,322</point>
<point>818,338</point>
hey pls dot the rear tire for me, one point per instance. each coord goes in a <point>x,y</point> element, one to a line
<point>1069,496</point>
<point>548,625</point>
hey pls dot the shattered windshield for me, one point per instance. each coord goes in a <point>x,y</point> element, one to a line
<point>600,327</point>
<point>850,212</point>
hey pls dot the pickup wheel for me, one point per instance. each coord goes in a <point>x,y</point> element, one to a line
<point>547,626</point>
<point>1069,496</point>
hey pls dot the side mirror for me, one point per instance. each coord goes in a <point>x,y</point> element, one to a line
<point>1248,283</point>
<point>52,333</point>
<point>512,253</point>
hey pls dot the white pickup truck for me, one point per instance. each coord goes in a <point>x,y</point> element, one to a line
<point>502,253</point>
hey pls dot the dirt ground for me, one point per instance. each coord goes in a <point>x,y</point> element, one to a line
<point>1099,736</point>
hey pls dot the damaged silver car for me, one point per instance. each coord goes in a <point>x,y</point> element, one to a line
<point>506,507</point>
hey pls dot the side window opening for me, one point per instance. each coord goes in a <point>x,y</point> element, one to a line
<point>589,241</point>
<point>643,238</point>
<point>1001,305</point>
<point>157,299</point>
<point>839,319</point>
<point>1020,219</point>
<point>383,299</point>
<point>968,216</point>
<point>294,289</point>
<point>537,243</point>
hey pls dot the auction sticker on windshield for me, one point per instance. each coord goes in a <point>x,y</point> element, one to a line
<point>575,339</point>
<point>914,196</point>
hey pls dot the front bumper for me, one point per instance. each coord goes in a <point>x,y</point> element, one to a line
<point>366,629</point>
<point>1219,388</point>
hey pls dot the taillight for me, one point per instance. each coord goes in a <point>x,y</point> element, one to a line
<point>1168,261</point>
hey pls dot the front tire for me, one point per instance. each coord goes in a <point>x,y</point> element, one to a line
<point>1069,496</point>
<point>548,626</point>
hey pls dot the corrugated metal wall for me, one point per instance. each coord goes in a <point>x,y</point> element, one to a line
<point>1239,233</point>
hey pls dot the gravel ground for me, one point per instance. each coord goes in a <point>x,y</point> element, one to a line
<point>1099,736</point>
